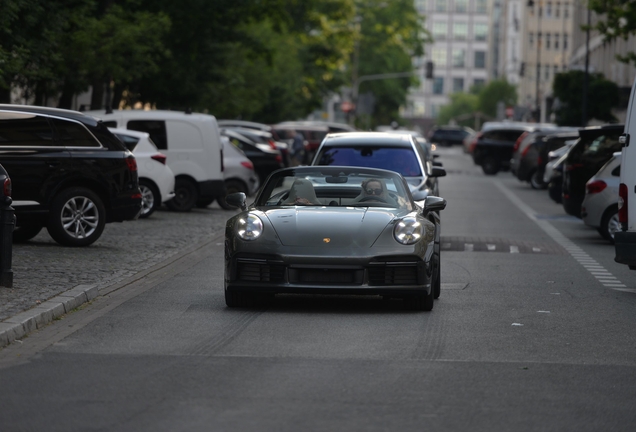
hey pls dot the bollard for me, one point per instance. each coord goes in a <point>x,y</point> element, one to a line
<point>7,224</point>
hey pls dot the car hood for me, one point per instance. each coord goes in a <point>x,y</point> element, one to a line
<point>338,226</point>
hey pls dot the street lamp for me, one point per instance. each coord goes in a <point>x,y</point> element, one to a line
<point>538,77</point>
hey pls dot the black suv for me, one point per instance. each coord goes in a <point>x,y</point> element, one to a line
<point>69,173</point>
<point>449,135</point>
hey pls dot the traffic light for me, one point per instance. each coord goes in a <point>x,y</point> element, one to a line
<point>429,70</point>
<point>522,69</point>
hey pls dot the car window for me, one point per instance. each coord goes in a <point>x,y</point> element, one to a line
<point>129,141</point>
<point>400,159</point>
<point>72,134</point>
<point>25,130</point>
<point>335,189</point>
<point>110,123</point>
<point>156,129</point>
<point>603,146</point>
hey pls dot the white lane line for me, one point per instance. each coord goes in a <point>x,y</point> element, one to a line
<point>469,247</point>
<point>575,251</point>
<point>514,249</point>
<point>491,247</point>
<point>536,249</point>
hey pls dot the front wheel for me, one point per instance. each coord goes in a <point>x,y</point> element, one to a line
<point>420,302</point>
<point>490,165</point>
<point>185,196</point>
<point>610,224</point>
<point>536,181</point>
<point>77,217</point>
<point>437,281</point>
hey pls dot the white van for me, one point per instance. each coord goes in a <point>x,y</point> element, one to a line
<point>192,145</point>
<point>625,240</point>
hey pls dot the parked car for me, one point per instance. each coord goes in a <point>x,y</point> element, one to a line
<point>156,179</point>
<point>333,230</point>
<point>69,174</point>
<point>264,137</point>
<point>423,142</point>
<point>492,150</point>
<point>265,158</point>
<point>530,155</point>
<point>593,149</point>
<point>395,152</point>
<point>600,205</point>
<point>239,173</point>
<point>449,135</point>
<point>5,181</point>
<point>192,145</point>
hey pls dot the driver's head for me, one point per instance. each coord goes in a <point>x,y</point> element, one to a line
<point>373,187</point>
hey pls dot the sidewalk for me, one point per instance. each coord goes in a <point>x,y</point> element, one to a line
<point>50,280</point>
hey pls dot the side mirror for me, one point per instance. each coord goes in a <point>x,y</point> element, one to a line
<point>437,164</point>
<point>438,171</point>
<point>237,200</point>
<point>434,203</point>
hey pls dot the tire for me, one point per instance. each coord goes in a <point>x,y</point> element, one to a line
<point>232,186</point>
<point>610,224</point>
<point>203,203</point>
<point>437,282</point>
<point>24,233</point>
<point>490,165</point>
<point>421,302</point>
<point>77,217</point>
<point>536,181</point>
<point>246,299</point>
<point>186,196</point>
<point>150,198</point>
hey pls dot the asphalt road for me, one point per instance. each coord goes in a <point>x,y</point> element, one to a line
<point>534,331</point>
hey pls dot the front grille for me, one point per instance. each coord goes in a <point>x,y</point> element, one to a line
<point>393,275</point>
<point>325,276</point>
<point>260,272</point>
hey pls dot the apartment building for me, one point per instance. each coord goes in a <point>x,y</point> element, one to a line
<point>460,29</point>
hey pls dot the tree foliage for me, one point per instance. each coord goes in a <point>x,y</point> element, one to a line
<point>496,91</point>
<point>460,109</point>
<point>616,20</point>
<point>603,95</point>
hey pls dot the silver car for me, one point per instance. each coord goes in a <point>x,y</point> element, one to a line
<point>600,206</point>
<point>238,173</point>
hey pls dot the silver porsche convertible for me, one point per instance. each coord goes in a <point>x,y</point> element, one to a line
<point>333,230</point>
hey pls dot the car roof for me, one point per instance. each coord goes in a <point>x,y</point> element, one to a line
<point>149,114</point>
<point>129,132</point>
<point>59,112</point>
<point>513,125</point>
<point>368,138</point>
<point>245,124</point>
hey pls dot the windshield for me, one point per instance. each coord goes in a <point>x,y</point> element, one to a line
<point>399,159</point>
<point>335,187</point>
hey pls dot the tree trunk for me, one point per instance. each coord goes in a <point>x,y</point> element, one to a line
<point>118,93</point>
<point>97,96</point>
<point>66,98</point>
<point>5,95</point>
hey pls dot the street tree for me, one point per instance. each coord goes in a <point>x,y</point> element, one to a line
<point>567,90</point>
<point>616,19</point>
<point>491,94</point>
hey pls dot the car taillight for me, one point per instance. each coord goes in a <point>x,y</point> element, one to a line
<point>272,144</point>
<point>571,167</point>
<point>132,163</point>
<point>279,159</point>
<point>622,205</point>
<point>595,186</point>
<point>539,160</point>
<point>473,143</point>
<point>248,165</point>
<point>6,187</point>
<point>518,142</point>
<point>159,157</point>
<point>525,151</point>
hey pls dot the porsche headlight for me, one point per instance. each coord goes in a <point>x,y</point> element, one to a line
<point>249,227</point>
<point>408,231</point>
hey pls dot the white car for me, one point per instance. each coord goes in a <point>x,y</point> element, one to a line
<point>238,173</point>
<point>600,205</point>
<point>156,179</point>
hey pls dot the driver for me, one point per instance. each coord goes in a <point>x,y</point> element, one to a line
<point>374,190</point>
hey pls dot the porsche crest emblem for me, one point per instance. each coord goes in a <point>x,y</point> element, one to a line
<point>326,240</point>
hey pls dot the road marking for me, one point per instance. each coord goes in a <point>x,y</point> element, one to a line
<point>469,247</point>
<point>514,249</point>
<point>536,249</point>
<point>491,247</point>
<point>574,250</point>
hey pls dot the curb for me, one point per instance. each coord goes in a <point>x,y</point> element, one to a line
<point>26,322</point>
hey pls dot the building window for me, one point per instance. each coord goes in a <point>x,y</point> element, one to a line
<point>481,31</point>
<point>531,39</point>
<point>548,41</point>
<point>459,58</point>
<point>460,30</point>
<point>548,10</point>
<point>480,59</point>
<point>420,5</point>
<point>461,6</point>
<point>440,57</point>
<point>565,42</point>
<point>547,71</point>
<point>479,82</point>
<point>481,6</point>
<point>440,6</point>
<point>440,29</point>
<point>566,10</point>
<point>438,85</point>
<point>556,69</point>
<point>458,85</point>
<point>557,9</point>
<point>556,41</point>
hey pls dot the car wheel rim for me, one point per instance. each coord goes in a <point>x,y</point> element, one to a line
<point>80,217</point>
<point>147,199</point>
<point>613,225</point>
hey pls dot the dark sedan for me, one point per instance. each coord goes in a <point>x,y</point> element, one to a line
<point>265,158</point>
<point>333,230</point>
